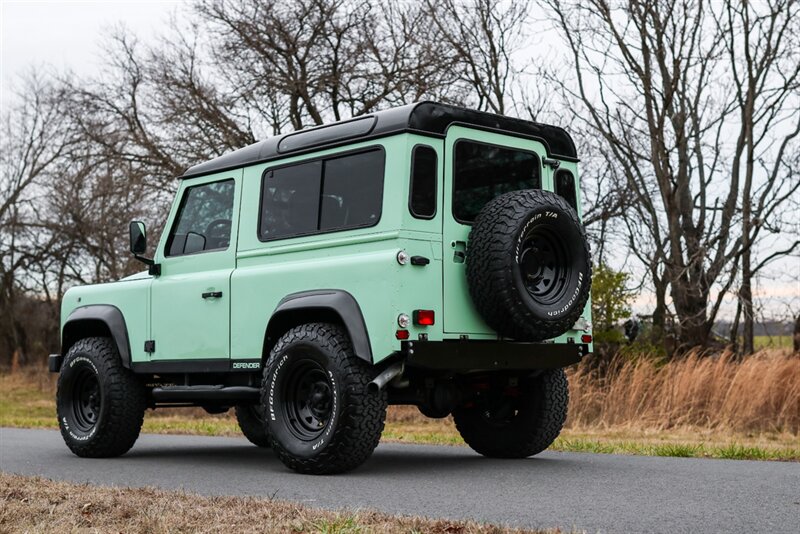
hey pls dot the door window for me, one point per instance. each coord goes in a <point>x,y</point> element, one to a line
<point>204,219</point>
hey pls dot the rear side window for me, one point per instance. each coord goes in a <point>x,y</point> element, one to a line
<point>482,172</point>
<point>422,201</point>
<point>565,187</point>
<point>204,218</point>
<point>324,195</point>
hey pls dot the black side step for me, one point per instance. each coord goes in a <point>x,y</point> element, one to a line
<point>204,393</point>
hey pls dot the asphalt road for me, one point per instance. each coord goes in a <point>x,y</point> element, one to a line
<point>591,492</point>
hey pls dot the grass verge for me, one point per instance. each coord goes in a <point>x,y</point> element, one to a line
<point>26,401</point>
<point>33,504</point>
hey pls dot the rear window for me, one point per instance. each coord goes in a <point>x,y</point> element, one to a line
<point>565,187</point>
<point>423,182</point>
<point>337,193</point>
<point>483,172</point>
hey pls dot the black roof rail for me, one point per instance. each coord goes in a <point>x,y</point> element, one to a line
<point>427,118</point>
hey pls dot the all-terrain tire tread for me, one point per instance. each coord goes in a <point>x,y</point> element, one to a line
<point>528,435</point>
<point>362,415</point>
<point>126,398</point>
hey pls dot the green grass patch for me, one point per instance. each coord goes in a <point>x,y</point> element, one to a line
<point>772,342</point>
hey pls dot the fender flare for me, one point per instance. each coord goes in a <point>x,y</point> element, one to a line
<point>329,301</point>
<point>81,319</point>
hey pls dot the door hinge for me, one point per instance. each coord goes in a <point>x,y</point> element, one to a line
<point>150,345</point>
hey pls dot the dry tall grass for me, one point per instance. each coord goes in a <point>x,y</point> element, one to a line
<point>759,394</point>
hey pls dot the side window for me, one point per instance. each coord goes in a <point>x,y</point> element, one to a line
<point>290,200</point>
<point>483,172</point>
<point>565,187</point>
<point>338,193</point>
<point>352,191</point>
<point>204,220</point>
<point>422,201</point>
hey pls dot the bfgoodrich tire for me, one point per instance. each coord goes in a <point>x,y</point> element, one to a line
<point>519,423</point>
<point>251,421</point>
<point>528,265</point>
<point>321,417</point>
<point>100,404</point>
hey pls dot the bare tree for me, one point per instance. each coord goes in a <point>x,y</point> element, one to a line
<point>34,139</point>
<point>479,38</point>
<point>651,78</point>
<point>761,43</point>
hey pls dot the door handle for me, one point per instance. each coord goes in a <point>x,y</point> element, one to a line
<point>459,252</point>
<point>212,295</point>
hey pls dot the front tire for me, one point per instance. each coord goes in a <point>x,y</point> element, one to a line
<point>100,404</point>
<point>321,416</point>
<point>251,422</point>
<point>518,423</point>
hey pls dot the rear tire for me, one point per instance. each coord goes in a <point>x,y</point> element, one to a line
<point>321,416</point>
<point>100,404</point>
<point>518,426</point>
<point>251,422</point>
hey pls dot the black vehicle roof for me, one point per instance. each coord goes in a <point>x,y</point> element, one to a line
<point>427,118</point>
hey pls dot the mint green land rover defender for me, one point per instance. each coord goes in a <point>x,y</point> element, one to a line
<point>426,255</point>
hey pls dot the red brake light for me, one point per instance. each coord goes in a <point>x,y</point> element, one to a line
<point>423,317</point>
<point>586,338</point>
<point>402,334</point>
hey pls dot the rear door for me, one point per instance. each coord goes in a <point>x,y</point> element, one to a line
<point>479,166</point>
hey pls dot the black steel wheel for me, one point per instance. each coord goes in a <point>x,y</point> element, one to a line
<point>544,265</point>
<point>307,401</point>
<point>86,399</point>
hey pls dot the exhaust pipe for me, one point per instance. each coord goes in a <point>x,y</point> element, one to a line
<point>386,376</point>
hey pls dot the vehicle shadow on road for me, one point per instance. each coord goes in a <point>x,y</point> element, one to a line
<point>398,460</point>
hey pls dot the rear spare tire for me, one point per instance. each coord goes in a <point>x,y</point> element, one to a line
<point>528,265</point>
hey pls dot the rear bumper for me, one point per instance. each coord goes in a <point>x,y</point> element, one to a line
<point>54,362</point>
<point>491,355</point>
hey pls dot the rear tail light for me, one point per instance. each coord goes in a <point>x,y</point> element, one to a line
<point>401,334</point>
<point>586,338</point>
<point>424,317</point>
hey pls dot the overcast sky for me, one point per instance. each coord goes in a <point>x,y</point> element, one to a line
<point>66,35</point>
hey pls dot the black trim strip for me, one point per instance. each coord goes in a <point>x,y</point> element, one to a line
<point>491,355</point>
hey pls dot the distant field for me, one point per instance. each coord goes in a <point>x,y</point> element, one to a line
<point>699,407</point>
<point>773,342</point>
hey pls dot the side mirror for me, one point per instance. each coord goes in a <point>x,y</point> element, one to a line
<point>138,238</point>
